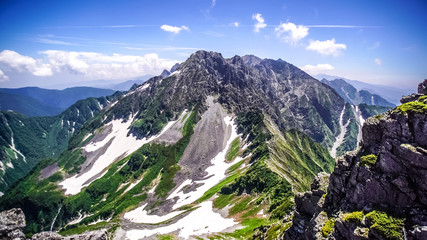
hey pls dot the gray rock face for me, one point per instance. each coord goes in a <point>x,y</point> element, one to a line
<point>395,183</point>
<point>422,87</point>
<point>12,222</point>
<point>309,205</point>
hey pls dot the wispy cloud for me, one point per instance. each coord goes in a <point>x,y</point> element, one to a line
<point>319,68</point>
<point>328,47</point>
<point>260,22</point>
<point>236,24</point>
<point>102,26</point>
<point>291,33</point>
<point>378,62</point>
<point>173,29</point>
<point>341,26</point>
<point>376,45</point>
<point>161,48</point>
<point>54,42</point>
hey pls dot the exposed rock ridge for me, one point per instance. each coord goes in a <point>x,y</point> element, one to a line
<point>393,182</point>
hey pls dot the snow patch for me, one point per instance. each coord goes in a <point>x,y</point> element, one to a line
<point>139,215</point>
<point>9,164</point>
<point>121,145</point>
<point>132,185</point>
<point>201,221</point>
<point>141,88</point>
<point>78,219</point>
<point>99,105</point>
<point>86,137</point>
<point>175,73</point>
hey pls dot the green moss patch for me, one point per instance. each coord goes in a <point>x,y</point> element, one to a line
<point>369,160</point>
<point>415,107</point>
<point>355,217</point>
<point>329,227</point>
<point>386,225</point>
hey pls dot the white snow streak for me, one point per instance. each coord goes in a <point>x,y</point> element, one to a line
<point>340,138</point>
<point>12,145</point>
<point>132,185</point>
<point>86,137</point>
<point>372,100</point>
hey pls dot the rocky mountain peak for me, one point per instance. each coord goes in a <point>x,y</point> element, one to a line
<point>251,60</point>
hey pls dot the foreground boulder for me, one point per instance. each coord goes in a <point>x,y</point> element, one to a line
<point>11,224</point>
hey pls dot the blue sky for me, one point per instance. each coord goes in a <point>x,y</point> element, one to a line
<point>66,43</point>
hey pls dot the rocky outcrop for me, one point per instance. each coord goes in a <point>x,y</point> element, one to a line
<point>95,235</point>
<point>384,179</point>
<point>12,223</point>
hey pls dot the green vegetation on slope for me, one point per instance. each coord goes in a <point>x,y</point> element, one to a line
<point>105,197</point>
<point>297,157</point>
<point>234,150</point>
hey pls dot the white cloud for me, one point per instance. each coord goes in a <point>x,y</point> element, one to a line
<point>90,65</point>
<point>173,29</point>
<point>3,77</point>
<point>213,3</point>
<point>319,68</point>
<point>293,33</point>
<point>260,22</point>
<point>236,24</point>
<point>22,63</point>
<point>378,61</point>
<point>328,47</point>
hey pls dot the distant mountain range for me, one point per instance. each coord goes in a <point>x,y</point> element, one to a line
<point>391,94</point>
<point>350,94</point>
<point>34,101</point>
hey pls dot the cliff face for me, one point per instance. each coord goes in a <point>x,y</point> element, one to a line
<point>379,190</point>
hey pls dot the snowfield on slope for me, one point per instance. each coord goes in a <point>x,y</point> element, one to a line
<point>201,221</point>
<point>117,144</point>
<point>203,166</point>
